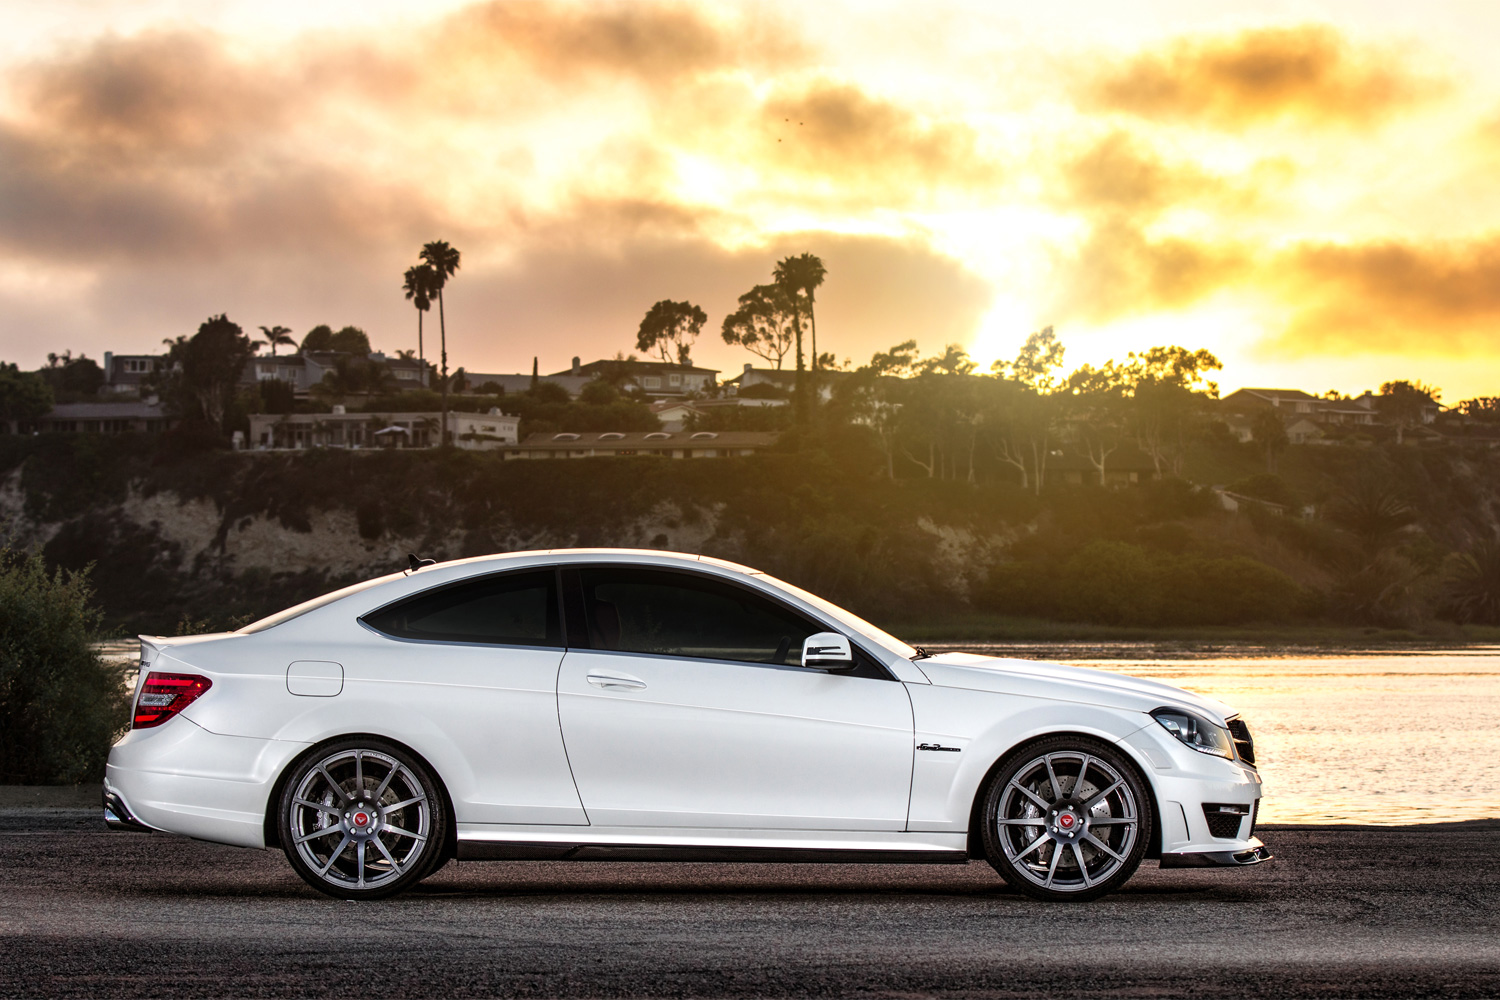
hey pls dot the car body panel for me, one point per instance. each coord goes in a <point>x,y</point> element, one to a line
<point>715,743</point>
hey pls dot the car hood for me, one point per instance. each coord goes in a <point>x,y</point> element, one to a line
<point>1035,678</point>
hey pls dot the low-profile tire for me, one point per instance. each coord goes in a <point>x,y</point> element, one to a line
<point>1066,818</point>
<point>361,818</point>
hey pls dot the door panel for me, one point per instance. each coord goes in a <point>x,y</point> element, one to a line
<point>687,742</point>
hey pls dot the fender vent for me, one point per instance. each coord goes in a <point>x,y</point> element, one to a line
<point>1244,744</point>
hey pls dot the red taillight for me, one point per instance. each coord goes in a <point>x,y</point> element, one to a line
<point>164,695</point>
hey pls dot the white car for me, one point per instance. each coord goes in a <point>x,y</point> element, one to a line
<point>606,703</point>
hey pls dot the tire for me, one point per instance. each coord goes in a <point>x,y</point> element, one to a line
<point>1066,818</point>
<point>362,818</point>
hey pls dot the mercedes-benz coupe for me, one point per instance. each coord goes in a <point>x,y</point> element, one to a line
<point>627,704</point>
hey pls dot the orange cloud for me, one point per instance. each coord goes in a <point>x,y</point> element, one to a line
<point>1439,298</point>
<point>1310,72</point>
<point>838,133</point>
<point>1122,174</point>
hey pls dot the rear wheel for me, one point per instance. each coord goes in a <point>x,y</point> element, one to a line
<point>362,819</point>
<point>1067,818</point>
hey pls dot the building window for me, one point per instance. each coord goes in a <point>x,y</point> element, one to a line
<point>674,379</point>
<point>651,382</point>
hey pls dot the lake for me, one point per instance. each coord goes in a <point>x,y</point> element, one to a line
<point>1382,737</point>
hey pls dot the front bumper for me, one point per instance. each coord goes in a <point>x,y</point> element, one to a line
<point>1252,855</point>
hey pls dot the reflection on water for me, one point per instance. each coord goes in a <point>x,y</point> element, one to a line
<point>1387,737</point>
<point>1364,737</point>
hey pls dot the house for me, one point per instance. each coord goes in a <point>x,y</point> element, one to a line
<point>665,444</point>
<point>121,417</point>
<point>573,381</point>
<point>340,429</point>
<point>1124,466</point>
<point>306,369</point>
<point>674,414</point>
<point>126,373</point>
<point>782,379</point>
<point>655,378</point>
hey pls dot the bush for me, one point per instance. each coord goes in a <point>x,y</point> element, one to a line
<point>60,705</point>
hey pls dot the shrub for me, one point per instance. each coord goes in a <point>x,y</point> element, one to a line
<point>60,704</point>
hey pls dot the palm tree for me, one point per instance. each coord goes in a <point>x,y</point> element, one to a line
<point>418,288</point>
<point>803,273</point>
<point>442,259</point>
<point>278,335</point>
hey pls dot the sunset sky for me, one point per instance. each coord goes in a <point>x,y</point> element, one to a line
<point>1308,189</point>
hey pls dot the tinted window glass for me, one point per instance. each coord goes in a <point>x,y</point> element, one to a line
<point>677,614</point>
<point>518,609</point>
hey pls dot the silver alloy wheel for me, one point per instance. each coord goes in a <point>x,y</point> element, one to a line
<point>360,819</point>
<point>1067,821</point>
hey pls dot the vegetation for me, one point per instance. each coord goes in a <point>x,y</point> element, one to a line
<point>669,329</point>
<point>60,705</point>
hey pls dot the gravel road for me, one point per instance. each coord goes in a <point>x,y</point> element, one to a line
<point>1366,912</point>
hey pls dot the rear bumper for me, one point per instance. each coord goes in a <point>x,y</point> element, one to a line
<point>1254,854</point>
<point>182,779</point>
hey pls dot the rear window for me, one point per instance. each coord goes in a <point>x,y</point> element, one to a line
<point>517,609</point>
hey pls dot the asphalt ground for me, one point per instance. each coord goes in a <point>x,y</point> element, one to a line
<point>1365,911</point>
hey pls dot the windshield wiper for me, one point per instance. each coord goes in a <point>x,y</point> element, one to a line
<point>922,654</point>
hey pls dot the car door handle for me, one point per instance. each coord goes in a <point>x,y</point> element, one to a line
<point>603,680</point>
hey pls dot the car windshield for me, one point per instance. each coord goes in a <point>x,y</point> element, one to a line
<point>853,621</point>
<point>298,610</point>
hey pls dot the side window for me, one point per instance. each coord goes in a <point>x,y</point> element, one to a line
<point>680,614</point>
<point>517,609</point>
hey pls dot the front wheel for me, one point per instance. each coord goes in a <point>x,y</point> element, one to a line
<point>1066,818</point>
<point>362,819</point>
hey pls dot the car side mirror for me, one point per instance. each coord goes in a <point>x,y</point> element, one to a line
<point>827,651</point>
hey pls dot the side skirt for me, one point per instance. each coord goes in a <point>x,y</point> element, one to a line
<point>470,850</point>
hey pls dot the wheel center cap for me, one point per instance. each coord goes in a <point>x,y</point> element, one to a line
<point>1065,821</point>
<point>361,818</point>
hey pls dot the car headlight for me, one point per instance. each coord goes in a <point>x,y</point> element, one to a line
<point>1198,733</point>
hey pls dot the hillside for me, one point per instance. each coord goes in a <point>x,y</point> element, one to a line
<point>215,537</point>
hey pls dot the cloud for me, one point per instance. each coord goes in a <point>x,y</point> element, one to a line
<point>159,94</point>
<point>1118,271</point>
<point>1310,72</point>
<point>1120,174</point>
<point>656,43</point>
<point>837,133</point>
<point>1389,296</point>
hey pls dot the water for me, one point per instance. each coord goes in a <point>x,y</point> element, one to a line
<point>1382,737</point>
<point>1361,737</point>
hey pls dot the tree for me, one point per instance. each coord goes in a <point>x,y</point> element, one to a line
<point>72,378</point>
<point>443,259</point>
<point>350,340</point>
<point>797,276</point>
<point>419,288</point>
<point>1267,430</point>
<point>1402,403</point>
<point>872,396</point>
<point>352,376</point>
<point>764,324</point>
<point>277,336</point>
<point>206,367</point>
<point>1168,388</point>
<point>319,338</point>
<point>670,327</point>
<point>1023,418</point>
<point>24,396</point>
<point>1095,396</point>
<point>60,704</point>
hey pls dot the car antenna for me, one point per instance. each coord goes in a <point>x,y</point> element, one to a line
<point>414,562</point>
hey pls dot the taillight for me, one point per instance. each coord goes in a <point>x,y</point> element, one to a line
<point>164,695</point>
